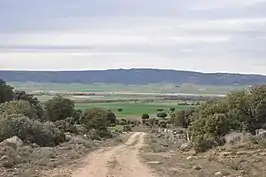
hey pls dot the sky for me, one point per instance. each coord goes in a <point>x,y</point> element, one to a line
<point>197,35</point>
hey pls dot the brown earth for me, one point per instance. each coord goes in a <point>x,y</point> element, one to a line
<point>119,161</point>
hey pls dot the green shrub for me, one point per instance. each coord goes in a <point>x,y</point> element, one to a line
<point>119,109</point>
<point>18,107</point>
<point>94,135</point>
<point>76,115</point>
<point>162,115</point>
<point>6,92</point>
<point>111,118</point>
<point>182,118</point>
<point>59,108</point>
<point>48,135</point>
<point>127,128</point>
<point>31,131</point>
<point>122,122</point>
<point>95,118</point>
<point>172,109</point>
<point>145,116</point>
<point>159,109</point>
<point>67,125</point>
<point>207,132</point>
<point>35,103</point>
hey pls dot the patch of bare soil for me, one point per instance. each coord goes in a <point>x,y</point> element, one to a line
<point>34,161</point>
<point>119,161</point>
<point>230,161</point>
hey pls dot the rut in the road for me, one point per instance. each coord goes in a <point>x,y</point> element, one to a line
<point>120,161</point>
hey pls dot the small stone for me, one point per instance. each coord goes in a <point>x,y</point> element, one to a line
<point>197,167</point>
<point>189,157</point>
<point>185,146</point>
<point>153,162</point>
<point>218,174</point>
<point>221,174</point>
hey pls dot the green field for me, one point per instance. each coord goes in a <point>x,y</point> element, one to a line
<point>148,88</point>
<point>131,109</point>
<point>135,100</point>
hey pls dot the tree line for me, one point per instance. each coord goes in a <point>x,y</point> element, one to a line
<point>23,115</point>
<point>242,111</point>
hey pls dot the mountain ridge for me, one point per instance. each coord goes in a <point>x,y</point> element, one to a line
<point>133,76</point>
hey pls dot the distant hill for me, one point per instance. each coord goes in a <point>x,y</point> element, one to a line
<point>132,76</point>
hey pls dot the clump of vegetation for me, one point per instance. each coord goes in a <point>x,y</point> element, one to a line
<point>67,125</point>
<point>172,109</point>
<point>127,128</point>
<point>6,92</point>
<point>159,109</point>
<point>119,109</point>
<point>59,108</point>
<point>162,115</point>
<point>18,107</point>
<point>145,118</point>
<point>35,103</point>
<point>182,118</point>
<point>31,131</point>
<point>240,111</point>
<point>98,119</point>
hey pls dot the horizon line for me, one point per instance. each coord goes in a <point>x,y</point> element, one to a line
<point>110,69</point>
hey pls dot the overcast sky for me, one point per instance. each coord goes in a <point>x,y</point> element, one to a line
<point>199,35</point>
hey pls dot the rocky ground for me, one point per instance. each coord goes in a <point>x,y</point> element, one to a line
<point>165,153</point>
<point>22,160</point>
<point>175,157</point>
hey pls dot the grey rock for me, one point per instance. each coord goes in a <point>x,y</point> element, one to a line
<point>186,146</point>
<point>233,137</point>
<point>153,162</point>
<point>14,141</point>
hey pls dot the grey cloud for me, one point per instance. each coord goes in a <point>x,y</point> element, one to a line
<point>171,33</point>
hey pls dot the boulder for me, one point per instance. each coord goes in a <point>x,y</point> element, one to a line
<point>15,142</point>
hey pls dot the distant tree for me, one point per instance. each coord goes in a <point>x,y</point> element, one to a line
<point>248,107</point>
<point>59,108</point>
<point>172,109</point>
<point>95,118</point>
<point>159,109</point>
<point>119,109</point>
<point>182,118</point>
<point>162,115</point>
<point>6,92</point>
<point>145,116</point>
<point>35,103</point>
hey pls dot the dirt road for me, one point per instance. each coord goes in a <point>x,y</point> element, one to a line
<point>119,161</point>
